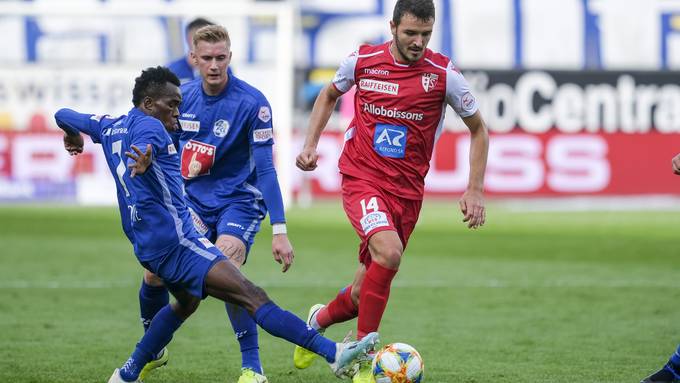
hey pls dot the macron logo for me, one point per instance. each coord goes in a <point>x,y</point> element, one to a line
<point>377,72</point>
<point>379,86</point>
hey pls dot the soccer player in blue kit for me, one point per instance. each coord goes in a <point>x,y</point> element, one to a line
<point>183,66</point>
<point>225,146</point>
<point>158,223</point>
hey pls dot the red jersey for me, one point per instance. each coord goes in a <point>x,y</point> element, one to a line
<point>399,114</point>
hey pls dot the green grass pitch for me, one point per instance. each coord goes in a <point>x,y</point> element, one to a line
<point>531,297</point>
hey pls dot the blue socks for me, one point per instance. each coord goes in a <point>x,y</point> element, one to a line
<point>151,300</point>
<point>158,335</point>
<point>286,325</point>
<point>673,364</point>
<point>245,329</point>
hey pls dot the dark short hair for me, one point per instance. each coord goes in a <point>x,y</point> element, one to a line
<point>197,23</point>
<point>422,9</point>
<point>151,83</point>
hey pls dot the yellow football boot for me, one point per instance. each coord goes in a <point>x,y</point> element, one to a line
<point>365,373</point>
<point>303,358</point>
<point>250,376</point>
<point>161,361</point>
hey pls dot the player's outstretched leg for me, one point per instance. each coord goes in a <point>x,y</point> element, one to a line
<point>341,309</point>
<point>303,358</point>
<point>158,335</point>
<point>670,373</point>
<point>225,282</point>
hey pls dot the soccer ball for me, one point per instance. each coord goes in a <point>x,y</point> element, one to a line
<point>398,363</point>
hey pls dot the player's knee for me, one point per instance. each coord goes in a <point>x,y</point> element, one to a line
<point>356,290</point>
<point>232,248</point>
<point>185,307</point>
<point>388,256</point>
<point>152,279</point>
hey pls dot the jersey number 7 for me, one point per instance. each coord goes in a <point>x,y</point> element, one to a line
<point>117,148</point>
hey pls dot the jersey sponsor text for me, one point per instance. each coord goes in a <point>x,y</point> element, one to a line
<point>392,113</point>
<point>262,135</point>
<point>190,126</point>
<point>197,159</point>
<point>379,86</point>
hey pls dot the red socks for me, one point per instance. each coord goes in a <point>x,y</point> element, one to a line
<point>375,290</point>
<point>339,310</point>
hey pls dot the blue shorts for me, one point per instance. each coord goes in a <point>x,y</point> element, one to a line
<point>240,219</point>
<point>185,266</point>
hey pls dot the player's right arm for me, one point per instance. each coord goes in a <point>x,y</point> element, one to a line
<point>322,110</point>
<point>321,113</point>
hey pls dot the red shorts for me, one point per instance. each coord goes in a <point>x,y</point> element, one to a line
<point>371,210</point>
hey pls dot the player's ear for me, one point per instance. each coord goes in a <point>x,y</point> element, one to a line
<point>147,104</point>
<point>194,58</point>
<point>393,28</point>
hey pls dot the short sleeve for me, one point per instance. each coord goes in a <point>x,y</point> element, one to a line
<point>344,77</point>
<point>458,93</point>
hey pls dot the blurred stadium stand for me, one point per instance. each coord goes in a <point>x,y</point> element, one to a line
<point>581,95</point>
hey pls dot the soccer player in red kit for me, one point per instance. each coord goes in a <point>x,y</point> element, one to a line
<point>402,92</point>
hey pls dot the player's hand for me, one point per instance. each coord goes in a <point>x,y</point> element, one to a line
<point>472,207</point>
<point>676,164</point>
<point>73,144</point>
<point>282,251</point>
<point>142,160</point>
<point>307,158</point>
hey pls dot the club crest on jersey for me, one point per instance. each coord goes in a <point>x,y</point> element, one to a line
<point>264,114</point>
<point>197,159</point>
<point>221,128</point>
<point>429,81</point>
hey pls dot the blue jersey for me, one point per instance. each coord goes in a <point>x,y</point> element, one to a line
<point>183,70</point>
<point>226,144</point>
<point>152,209</point>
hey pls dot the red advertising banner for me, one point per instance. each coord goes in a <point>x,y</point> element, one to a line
<point>35,166</point>
<point>549,164</point>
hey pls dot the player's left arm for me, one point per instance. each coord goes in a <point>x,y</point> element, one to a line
<point>151,136</point>
<point>460,98</point>
<point>262,139</point>
<point>472,201</point>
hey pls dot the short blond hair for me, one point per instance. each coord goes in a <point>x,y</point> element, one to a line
<point>211,34</point>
